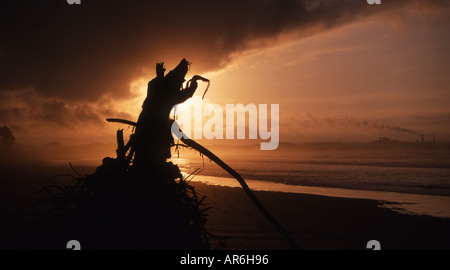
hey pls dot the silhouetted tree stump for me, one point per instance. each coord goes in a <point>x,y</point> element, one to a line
<point>137,200</point>
<point>153,138</point>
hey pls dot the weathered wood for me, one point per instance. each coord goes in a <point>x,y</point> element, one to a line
<point>120,145</point>
<point>193,144</point>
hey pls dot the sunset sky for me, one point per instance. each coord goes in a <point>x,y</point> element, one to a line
<point>339,70</point>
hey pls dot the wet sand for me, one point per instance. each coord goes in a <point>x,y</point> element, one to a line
<point>315,222</point>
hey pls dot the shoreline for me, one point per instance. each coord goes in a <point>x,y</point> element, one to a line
<point>405,203</point>
<point>317,222</point>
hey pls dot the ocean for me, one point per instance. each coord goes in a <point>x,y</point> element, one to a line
<point>413,182</point>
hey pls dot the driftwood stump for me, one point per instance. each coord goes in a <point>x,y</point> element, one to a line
<point>152,137</point>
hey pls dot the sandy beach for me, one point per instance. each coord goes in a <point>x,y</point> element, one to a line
<point>315,222</point>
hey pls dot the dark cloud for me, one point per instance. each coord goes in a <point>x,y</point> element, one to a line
<point>60,62</point>
<point>96,48</point>
<point>27,111</point>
